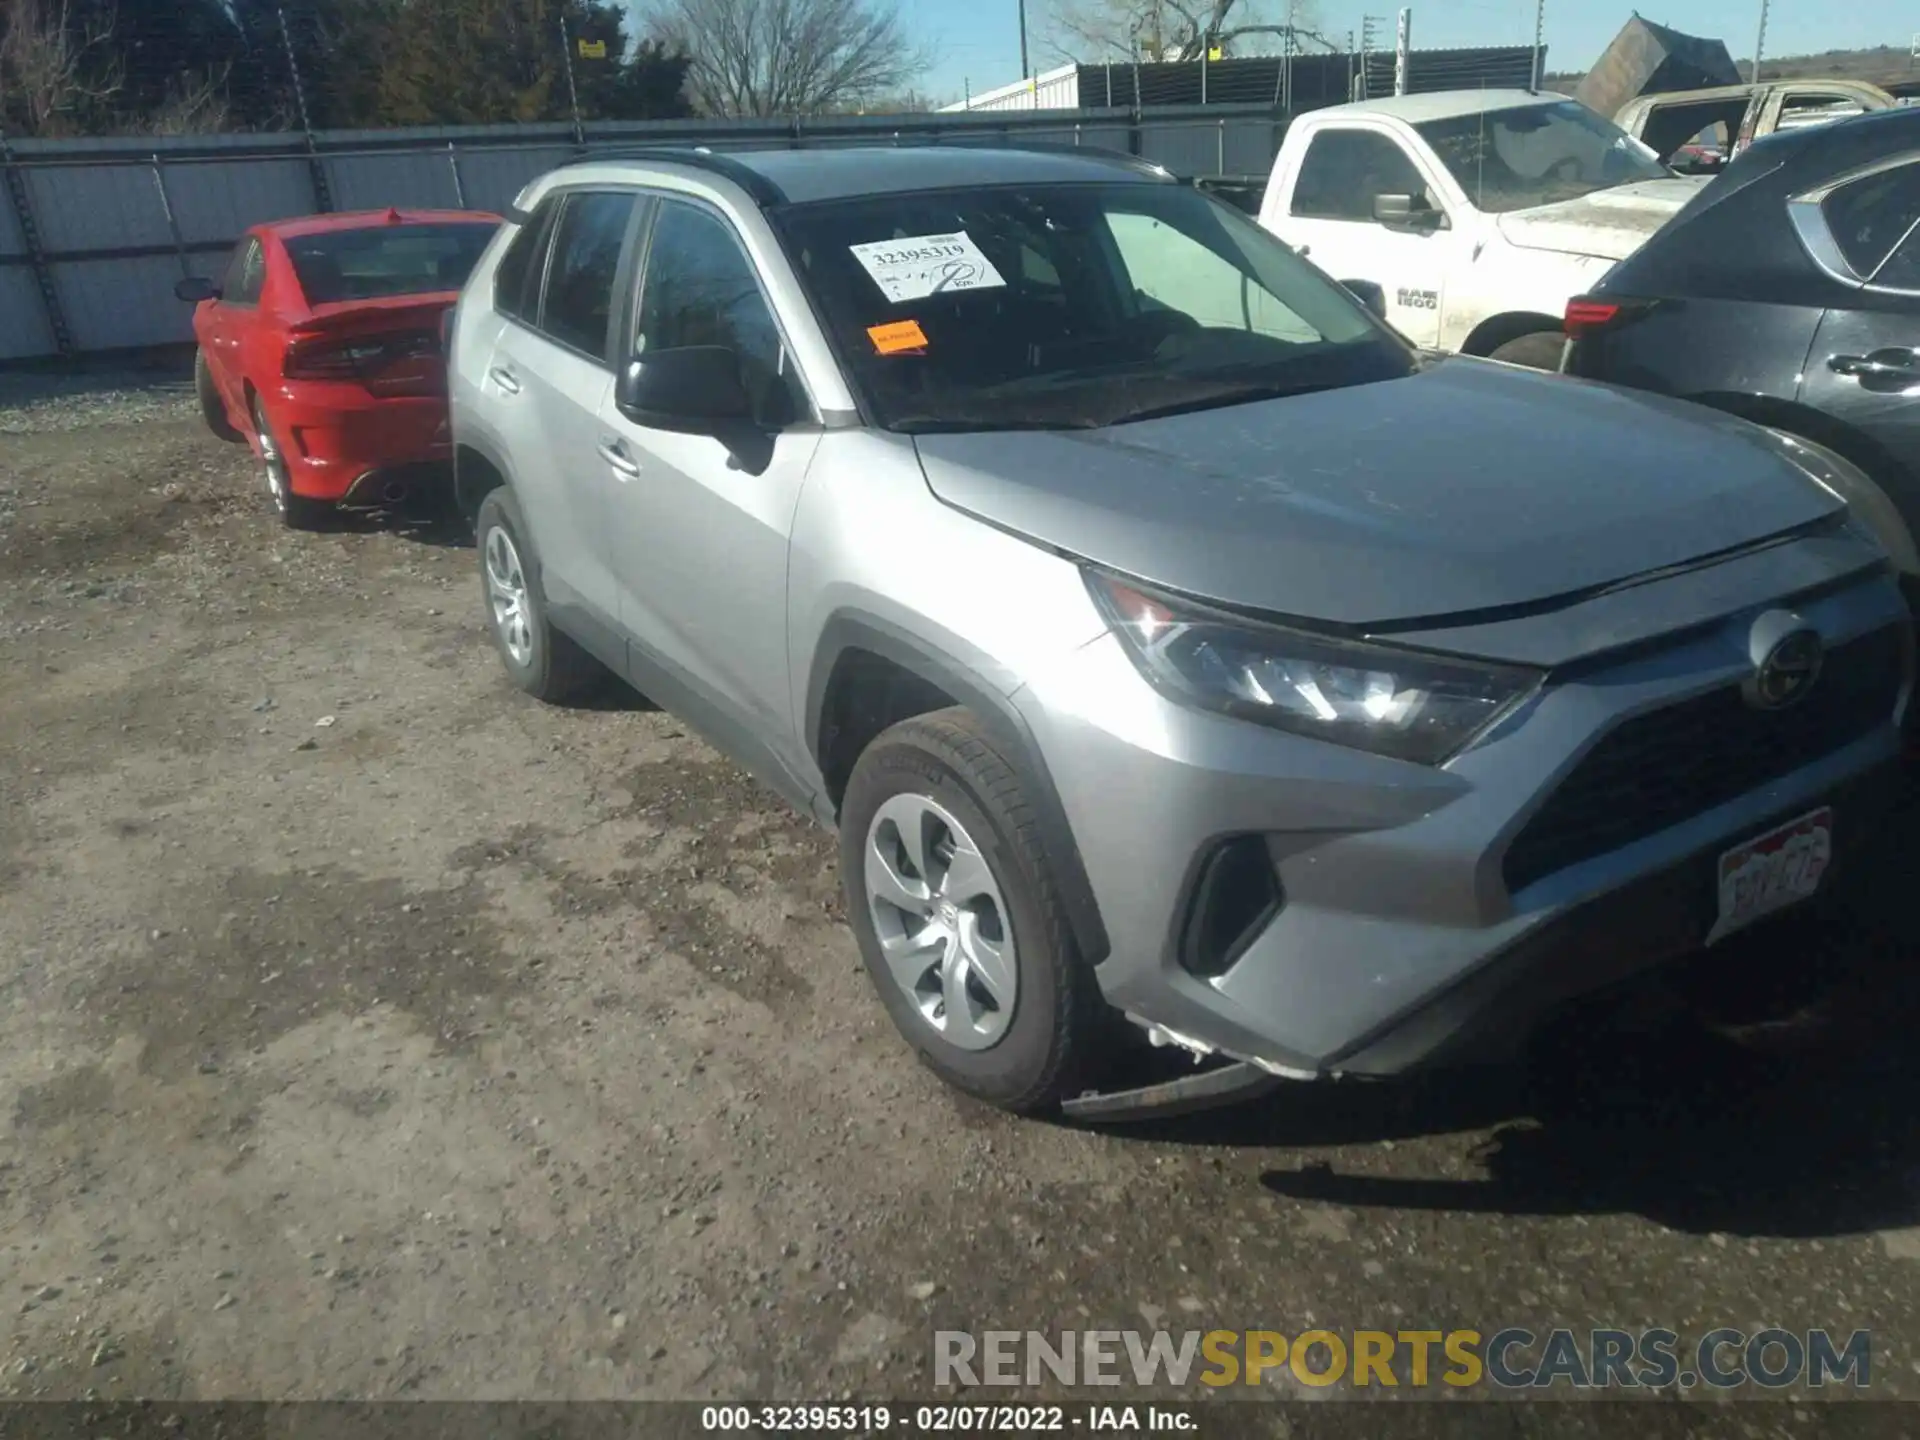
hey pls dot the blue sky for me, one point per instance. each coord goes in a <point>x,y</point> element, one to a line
<point>979,40</point>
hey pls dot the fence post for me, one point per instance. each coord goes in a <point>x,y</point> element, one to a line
<point>316,168</point>
<point>173,221</point>
<point>36,253</point>
<point>1220,147</point>
<point>459,190</point>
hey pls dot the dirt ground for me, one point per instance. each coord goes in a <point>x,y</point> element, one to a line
<point>367,1030</point>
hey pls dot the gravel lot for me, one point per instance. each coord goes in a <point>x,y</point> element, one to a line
<point>367,1030</point>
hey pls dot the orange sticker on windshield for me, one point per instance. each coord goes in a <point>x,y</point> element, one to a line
<point>903,337</point>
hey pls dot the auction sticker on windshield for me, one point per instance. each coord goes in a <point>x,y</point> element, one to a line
<point>1781,868</point>
<point>917,266</point>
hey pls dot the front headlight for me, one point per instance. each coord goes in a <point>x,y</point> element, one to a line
<point>1409,706</point>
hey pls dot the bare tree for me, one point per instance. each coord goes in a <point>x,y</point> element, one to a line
<point>789,57</point>
<point>195,104</point>
<point>53,70</point>
<point>1095,30</point>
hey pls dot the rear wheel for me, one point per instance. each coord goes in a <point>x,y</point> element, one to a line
<point>213,409</point>
<point>545,662</point>
<point>1538,351</point>
<point>296,512</point>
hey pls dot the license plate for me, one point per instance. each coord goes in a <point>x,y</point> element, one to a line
<point>1781,868</point>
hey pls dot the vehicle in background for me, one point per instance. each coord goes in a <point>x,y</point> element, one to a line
<point>320,347</point>
<point>1166,639</point>
<point>1477,213</point>
<point>1742,114</point>
<point>1789,294</point>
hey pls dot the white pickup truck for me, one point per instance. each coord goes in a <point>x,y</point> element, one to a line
<point>1478,214</point>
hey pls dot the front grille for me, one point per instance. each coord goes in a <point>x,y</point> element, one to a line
<point>1667,766</point>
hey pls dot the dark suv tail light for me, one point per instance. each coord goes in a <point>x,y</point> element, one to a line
<point>1235,897</point>
<point>1590,314</point>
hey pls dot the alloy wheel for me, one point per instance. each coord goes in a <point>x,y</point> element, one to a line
<point>941,921</point>
<point>507,593</point>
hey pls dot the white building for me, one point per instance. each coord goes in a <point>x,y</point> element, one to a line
<point>1055,90</point>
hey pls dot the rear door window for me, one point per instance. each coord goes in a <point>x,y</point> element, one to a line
<point>588,239</point>
<point>516,280</point>
<point>1871,216</point>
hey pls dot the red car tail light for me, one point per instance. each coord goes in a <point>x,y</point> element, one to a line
<point>1589,314</point>
<point>390,363</point>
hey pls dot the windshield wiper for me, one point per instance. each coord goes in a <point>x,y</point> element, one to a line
<point>951,425</point>
<point>1220,399</point>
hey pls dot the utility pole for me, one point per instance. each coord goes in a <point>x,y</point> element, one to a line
<point>316,170</point>
<point>1026,70</point>
<point>1402,52</point>
<point>1539,41</point>
<point>1760,42</point>
<point>573,90</point>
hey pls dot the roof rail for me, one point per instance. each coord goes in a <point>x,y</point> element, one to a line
<point>1136,163</point>
<point>698,157</point>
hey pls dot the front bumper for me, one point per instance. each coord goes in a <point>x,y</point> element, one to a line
<point>341,441</point>
<point>1398,936</point>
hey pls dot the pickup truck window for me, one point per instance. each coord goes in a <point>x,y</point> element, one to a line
<point>1533,155</point>
<point>1344,169</point>
<point>1870,217</point>
<point>1071,306</point>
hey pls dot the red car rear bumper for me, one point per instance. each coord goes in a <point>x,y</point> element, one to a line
<point>335,434</point>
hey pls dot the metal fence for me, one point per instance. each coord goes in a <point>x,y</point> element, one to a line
<point>94,232</point>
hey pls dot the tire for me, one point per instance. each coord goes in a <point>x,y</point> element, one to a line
<point>546,663</point>
<point>1039,1046</point>
<point>1538,351</point>
<point>296,512</point>
<point>212,408</point>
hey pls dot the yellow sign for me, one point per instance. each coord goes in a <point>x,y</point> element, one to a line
<point>593,49</point>
<point>1217,53</point>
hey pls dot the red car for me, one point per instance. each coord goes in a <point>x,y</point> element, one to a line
<point>320,347</point>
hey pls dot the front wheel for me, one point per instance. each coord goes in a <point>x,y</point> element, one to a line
<point>213,409</point>
<point>959,919</point>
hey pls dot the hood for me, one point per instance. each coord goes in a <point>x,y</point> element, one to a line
<point>1609,223</point>
<point>1467,487</point>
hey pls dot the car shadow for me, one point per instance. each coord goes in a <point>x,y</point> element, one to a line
<point>1807,1125</point>
<point>429,522</point>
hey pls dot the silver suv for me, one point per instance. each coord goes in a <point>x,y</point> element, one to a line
<point>1163,636</point>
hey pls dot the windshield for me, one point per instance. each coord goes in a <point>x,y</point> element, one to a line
<point>1537,155</point>
<point>371,264</point>
<point>1063,306</point>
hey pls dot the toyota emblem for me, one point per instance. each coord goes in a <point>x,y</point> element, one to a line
<point>1787,654</point>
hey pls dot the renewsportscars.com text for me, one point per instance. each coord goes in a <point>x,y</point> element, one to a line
<point>1511,1358</point>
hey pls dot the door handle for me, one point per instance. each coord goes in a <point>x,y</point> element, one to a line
<point>616,456</point>
<point>505,379</point>
<point>1901,365</point>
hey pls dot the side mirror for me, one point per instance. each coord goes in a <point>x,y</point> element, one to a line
<point>194,289</point>
<point>1407,212</point>
<point>1369,294</point>
<point>695,390</point>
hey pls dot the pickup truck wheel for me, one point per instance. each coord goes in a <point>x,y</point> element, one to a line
<point>212,408</point>
<point>958,916</point>
<point>546,663</point>
<point>1538,351</point>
